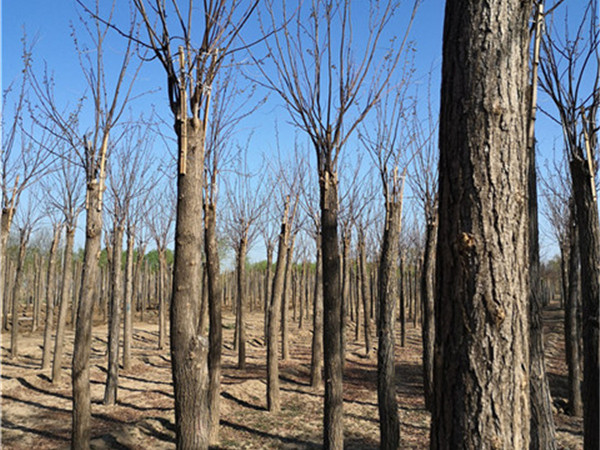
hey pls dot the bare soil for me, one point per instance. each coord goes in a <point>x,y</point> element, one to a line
<point>37,414</point>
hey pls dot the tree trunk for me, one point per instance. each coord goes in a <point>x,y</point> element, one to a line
<point>365,292</point>
<point>285,302</point>
<point>273,401</point>
<point>5,223</point>
<point>267,289</point>
<point>17,292</point>
<point>316,362</point>
<point>67,279</point>
<point>386,375</point>
<point>50,290</point>
<point>481,371</point>
<point>240,300</point>
<point>189,349</point>
<point>428,292</point>
<point>346,241</point>
<point>82,346</point>
<point>114,317</point>
<point>586,210</point>
<point>571,326</point>
<point>543,432</point>
<point>333,416</point>
<point>127,299</point>
<point>215,336</point>
<point>162,298</point>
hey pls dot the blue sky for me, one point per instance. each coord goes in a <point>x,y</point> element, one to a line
<point>49,23</point>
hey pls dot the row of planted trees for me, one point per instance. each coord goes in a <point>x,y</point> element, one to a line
<point>479,303</point>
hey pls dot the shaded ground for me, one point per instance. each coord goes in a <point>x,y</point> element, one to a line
<point>36,414</point>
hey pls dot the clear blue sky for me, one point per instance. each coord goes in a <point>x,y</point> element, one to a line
<point>49,23</point>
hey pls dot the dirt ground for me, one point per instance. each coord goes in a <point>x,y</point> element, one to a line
<point>36,414</point>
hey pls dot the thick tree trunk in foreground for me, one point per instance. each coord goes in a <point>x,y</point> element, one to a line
<point>586,209</point>
<point>481,372</point>
<point>273,401</point>
<point>215,336</point>
<point>82,346</point>
<point>50,289</point>
<point>333,415</point>
<point>63,305</point>
<point>114,317</point>
<point>389,426</point>
<point>189,349</point>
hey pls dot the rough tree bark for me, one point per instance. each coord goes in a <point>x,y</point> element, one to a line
<point>481,371</point>
<point>389,425</point>
<point>189,349</point>
<point>586,210</point>
<point>24,234</point>
<point>285,300</point>
<point>80,374</point>
<point>364,284</point>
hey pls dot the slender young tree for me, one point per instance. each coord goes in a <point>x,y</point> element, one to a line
<point>481,373</point>
<point>329,85</point>
<point>50,293</point>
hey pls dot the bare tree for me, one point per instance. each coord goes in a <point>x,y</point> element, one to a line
<point>387,145</point>
<point>90,148</point>
<point>556,192</point>
<point>328,90</point>
<point>570,76</point>
<point>24,155</point>
<point>244,207</point>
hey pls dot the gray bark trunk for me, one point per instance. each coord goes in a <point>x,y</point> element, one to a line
<point>128,299</point>
<point>481,371</point>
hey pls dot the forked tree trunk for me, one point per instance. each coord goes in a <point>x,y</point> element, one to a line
<point>63,305</point>
<point>50,291</point>
<point>333,415</point>
<point>114,316</point>
<point>428,293</point>
<point>128,299</point>
<point>389,426</point>
<point>273,401</point>
<point>586,210</point>
<point>189,349</point>
<point>481,372</point>
<point>80,373</point>
<point>316,362</point>
<point>215,336</point>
